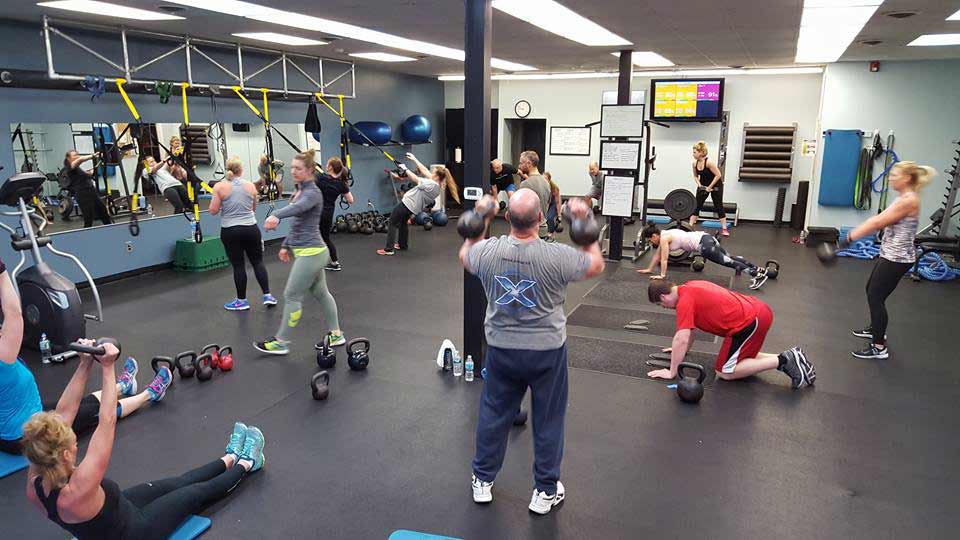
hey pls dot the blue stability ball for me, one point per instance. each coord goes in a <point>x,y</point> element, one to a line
<point>420,218</point>
<point>316,136</point>
<point>440,218</point>
<point>416,129</point>
<point>378,132</point>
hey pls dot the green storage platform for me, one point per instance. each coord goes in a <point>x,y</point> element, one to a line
<point>193,257</point>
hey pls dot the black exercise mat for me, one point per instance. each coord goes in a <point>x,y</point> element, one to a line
<point>622,358</point>
<point>660,324</point>
<point>676,275</point>
<point>622,289</point>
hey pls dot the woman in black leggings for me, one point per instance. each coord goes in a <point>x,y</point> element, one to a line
<point>333,184</point>
<point>84,503</point>
<point>709,182</point>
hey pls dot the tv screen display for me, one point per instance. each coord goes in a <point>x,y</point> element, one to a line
<point>687,100</point>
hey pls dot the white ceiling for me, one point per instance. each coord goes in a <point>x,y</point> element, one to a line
<point>691,33</point>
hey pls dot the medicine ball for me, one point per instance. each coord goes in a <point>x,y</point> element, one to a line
<point>416,129</point>
<point>440,218</point>
<point>378,132</point>
<point>421,218</point>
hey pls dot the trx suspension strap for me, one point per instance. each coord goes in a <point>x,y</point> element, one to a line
<point>266,123</point>
<point>273,193</point>
<point>192,181</point>
<point>344,121</point>
<point>134,224</point>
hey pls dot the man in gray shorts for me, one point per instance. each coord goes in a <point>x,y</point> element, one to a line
<point>525,280</point>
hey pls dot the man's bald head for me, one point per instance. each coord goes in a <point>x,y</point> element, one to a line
<point>524,210</point>
<point>496,165</point>
<point>594,168</point>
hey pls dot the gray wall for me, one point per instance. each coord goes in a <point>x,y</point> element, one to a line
<point>381,95</point>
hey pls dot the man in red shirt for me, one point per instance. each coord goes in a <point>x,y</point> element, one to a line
<point>743,322</point>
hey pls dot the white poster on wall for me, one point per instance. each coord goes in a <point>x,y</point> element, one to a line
<point>618,196</point>
<point>569,141</point>
<point>621,120</point>
<point>619,155</point>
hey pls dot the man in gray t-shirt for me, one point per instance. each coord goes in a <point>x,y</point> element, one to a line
<point>530,166</point>
<point>525,280</point>
<point>596,182</point>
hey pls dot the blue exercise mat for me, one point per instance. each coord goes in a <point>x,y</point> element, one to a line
<point>706,223</point>
<point>841,159</point>
<point>414,535</point>
<point>10,464</point>
<point>193,527</point>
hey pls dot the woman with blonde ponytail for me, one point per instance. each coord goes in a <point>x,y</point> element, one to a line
<point>709,181</point>
<point>897,251</point>
<point>428,184</point>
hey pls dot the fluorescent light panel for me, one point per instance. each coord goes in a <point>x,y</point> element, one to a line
<point>93,7</point>
<point>282,39</point>
<point>647,59</point>
<point>383,57</point>
<point>935,40</point>
<point>812,70</point>
<point>828,27</point>
<point>954,17</point>
<point>316,24</point>
<point>560,20</point>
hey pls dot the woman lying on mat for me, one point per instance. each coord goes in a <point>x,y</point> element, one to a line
<point>79,499</point>
<point>695,242</point>
<point>20,399</point>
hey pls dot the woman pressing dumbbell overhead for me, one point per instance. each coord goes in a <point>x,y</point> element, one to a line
<point>695,242</point>
<point>709,181</point>
<point>333,185</point>
<point>427,187</point>
<point>897,250</point>
<point>78,497</point>
<point>310,256</point>
<point>20,398</point>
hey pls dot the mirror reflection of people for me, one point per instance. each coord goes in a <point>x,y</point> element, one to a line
<point>263,170</point>
<point>163,175</point>
<point>530,168</point>
<point>709,181</point>
<point>82,187</point>
<point>553,212</point>
<point>428,185</point>
<point>503,179</point>
<point>333,184</point>
<point>596,183</point>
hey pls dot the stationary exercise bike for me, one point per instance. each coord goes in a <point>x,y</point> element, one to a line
<point>51,303</point>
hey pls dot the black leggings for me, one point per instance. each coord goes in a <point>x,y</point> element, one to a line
<point>716,195</point>
<point>165,504</point>
<point>326,225</point>
<point>177,195</point>
<point>713,252</point>
<point>398,223</point>
<point>91,206</point>
<point>245,239</point>
<point>883,281</point>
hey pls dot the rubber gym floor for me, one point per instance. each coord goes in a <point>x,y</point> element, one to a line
<point>867,453</point>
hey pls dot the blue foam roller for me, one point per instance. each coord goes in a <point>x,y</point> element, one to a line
<point>378,132</point>
<point>659,220</point>
<point>414,535</point>
<point>710,224</point>
<point>416,129</point>
<point>10,464</point>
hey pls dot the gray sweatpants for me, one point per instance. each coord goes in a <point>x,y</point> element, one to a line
<point>307,274</point>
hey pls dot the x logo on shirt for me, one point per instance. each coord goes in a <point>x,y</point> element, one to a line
<point>514,292</point>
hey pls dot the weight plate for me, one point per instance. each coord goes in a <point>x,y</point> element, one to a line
<point>679,204</point>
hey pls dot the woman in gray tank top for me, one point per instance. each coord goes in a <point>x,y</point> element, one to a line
<point>235,199</point>
<point>897,251</point>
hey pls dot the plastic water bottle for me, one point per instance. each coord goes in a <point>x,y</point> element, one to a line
<point>457,365</point>
<point>468,374</point>
<point>45,352</point>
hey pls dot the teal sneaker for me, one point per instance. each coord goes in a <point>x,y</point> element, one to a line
<point>272,346</point>
<point>237,438</point>
<point>128,378</point>
<point>253,448</point>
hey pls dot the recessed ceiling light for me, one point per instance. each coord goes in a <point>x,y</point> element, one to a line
<point>282,39</point>
<point>92,7</point>
<point>383,57</point>
<point>326,26</point>
<point>647,59</point>
<point>560,20</point>
<point>828,27</point>
<point>935,40</point>
<point>954,17</point>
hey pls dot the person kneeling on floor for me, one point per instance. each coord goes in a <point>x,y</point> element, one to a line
<point>743,322</point>
<point>79,499</point>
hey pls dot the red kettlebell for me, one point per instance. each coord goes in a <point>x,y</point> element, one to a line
<point>214,351</point>
<point>226,358</point>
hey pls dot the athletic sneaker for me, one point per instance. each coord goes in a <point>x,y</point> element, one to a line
<point>759,278</point>
<point>724,232</point>
<point>237,305</point>
<point>333,267</point>
<point>272,346</point>
<point>269,301</point>
<point>337,340</point>
<point>794,366</point>
<point>866,333</point>
<point>253,448</point>
<point>385,252</point>
<point>128,379</point>
<point>809,372</point>
<point>872,351</point>
<point>482,491</point>
<point>237,438</point>
<point>541,503</point>
<point>160,383</point>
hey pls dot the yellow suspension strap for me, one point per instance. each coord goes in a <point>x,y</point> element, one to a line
<point>192,187</point>
<point>272,192</point>
<point>134,225</point>
<point>344,121</point>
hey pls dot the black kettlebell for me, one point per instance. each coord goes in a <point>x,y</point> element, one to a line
<point>341,224</point>
<point>697,264</point>
<point>690,390</point>
<point>558,225</point>
<point>827,253</point>
<point>583,231</point>
<point>203,366</point>
<point>427,223</point>
<point>367,227</point>
<point>352,226</point>
<point>358,353</point>
<point>185,364</point>
<point>320,385</point>
<point>773,269</point>
<point>327,355</point>
<point>471,225</point>
<point>521,418</point>
<point>158,360</point>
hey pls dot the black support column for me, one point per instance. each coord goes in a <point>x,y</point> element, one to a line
<point>615,252</point>
<point>476,153</point>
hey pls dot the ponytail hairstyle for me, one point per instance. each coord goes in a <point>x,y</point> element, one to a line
<point>920,175</point>
<point>649,230</point>
<point>336,165</point>
<point>308,159</point>
<point>234,168</point>
<point>701,147</point>
<point>446,179</point>
<point>45,438</point>
<point>549,177</point>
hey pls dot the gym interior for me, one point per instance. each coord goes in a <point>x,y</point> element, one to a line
<point>831,129</point>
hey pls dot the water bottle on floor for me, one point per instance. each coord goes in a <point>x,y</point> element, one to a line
<point>457,365</point>
<point>468,374</point>
<point>45,351</point>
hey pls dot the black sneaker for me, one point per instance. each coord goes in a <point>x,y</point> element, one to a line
<point>866,333</point>
<point>872,351</point>
<point>759,278</point>
<point>809,372</point>
<point>333,267</point>
<point>794,367</point>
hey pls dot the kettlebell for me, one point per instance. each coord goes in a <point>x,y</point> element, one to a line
<point>352,226</point>
<point>226,358</point>
<point>214,351</point>
<point>690,390</point>
<point>521,418</point>
<point>203,366</point>
<point>327,355</point>
<point>185,364</point>
<point>773,269</point>
<point>583,231</point>
<point>697,264</point>
<point>367,227</point>
<point>827,253</point>
<point>320,385</point>
<point>158,360</point>
<point>427,223</point>
<point>358,353</point>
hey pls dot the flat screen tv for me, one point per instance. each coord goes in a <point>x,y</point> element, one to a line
<point>687,100</point>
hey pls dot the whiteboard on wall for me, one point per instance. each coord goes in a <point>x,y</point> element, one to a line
<point>569,141</point>
<point>619,155</point>
<point>618,196</point>
<point>621,120</point>
<point>609,97</point>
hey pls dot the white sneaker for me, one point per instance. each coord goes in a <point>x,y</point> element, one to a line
<point>482,491</point>
<point>541,503</point>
